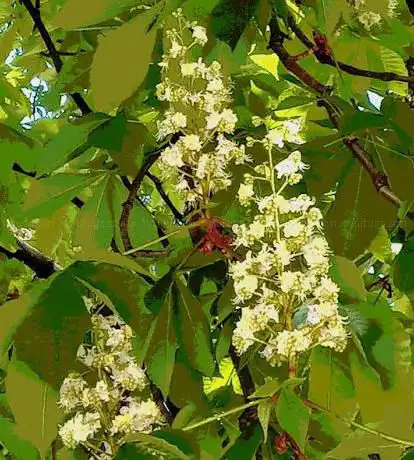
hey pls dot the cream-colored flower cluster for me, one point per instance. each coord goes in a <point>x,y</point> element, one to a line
<point>198,97</point>
<point>289,303</point>
<point>371,14</point>
<point>112,406</point>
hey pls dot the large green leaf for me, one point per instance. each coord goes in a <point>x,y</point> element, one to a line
<point>113,59</point>
<point>293,416</point>
<point>96,222</point>
<point>20,448</point>
<point>47,195</point>
<point>134,444</point>
<point>75,13</point>
<point>64,145</point>
<point>193,330</point>
<point>161,352</point>
<point>230,18</point>
<point>14,312</point>
<point>48,340</point>
<point>403,273</point>
<point>345,273</point>
<point>330,382</point>
<point>34,406</point>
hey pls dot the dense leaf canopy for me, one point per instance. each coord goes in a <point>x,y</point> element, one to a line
<point>154,157</point>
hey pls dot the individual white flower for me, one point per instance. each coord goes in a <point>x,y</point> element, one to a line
<point>275,136</point>
<point>188,69</point>
<point>192,142</point>
<point>173,156</point>
<point>137,417</point>
<point>102,390</point>
<point>213,120</point>
<point>246,287</point>
<point>245,194</point>
<point>176,49</point>
<point>283,253</point>
<point>79,429</point>
<point>131,377</point>
<point>327,290</point>
<point>288,280</point>
<point>200,35</point>
<point>293,228</point>
<point>301,203</point>
<point>71,392</point>
<point>215,85</point>
<point>291,165</point>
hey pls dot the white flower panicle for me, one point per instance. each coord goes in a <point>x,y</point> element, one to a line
<point>113,407</point>
<point>373,15</point>
<point>198,97</point>
<point>289,303</point>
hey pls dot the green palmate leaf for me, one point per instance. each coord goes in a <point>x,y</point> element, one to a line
<point>125,142</point>
<point>403,273</point>
<point>14,312</point>
<point>224,341</point>
<point>267,389</point>
<point>293,416</point>
<point>60,320</point>
<point>245,447</point>
<point>193,330</point>
<point>34,406</point>
<point>75,13</point>
<point>47,195</point>
<point>380,246</point>
<point>230,18</point>
<point>385,342</point>
<point>345,273</point>
<point>330,382</point>
<point>113,58</point>
<point>356,214</point>
<point>393,62</point>
<point>264,410</point>
<point>124,291</point>
<point>329,14</point>
<point>155,297</point>
<point>187,385</point>
<point>325,433</point>
<point>20,448</point>
<point>66,144</point>
<point>161,352</point>
<point>142,227</point>
<point>96,222</point>
<point>134,448</point>
<point>389,411</point>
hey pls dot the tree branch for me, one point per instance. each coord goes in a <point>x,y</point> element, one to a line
<point>41,264</point>
<point>378,178</point>
<point>165,197</point>
<point>323,58</point>
<point>53,52</point>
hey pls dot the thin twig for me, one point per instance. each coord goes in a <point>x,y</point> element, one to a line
<point>54,54</point>
<point>41,264</point>
<point>378,178</point>
<point>323,58</point>
<point>165,197</point>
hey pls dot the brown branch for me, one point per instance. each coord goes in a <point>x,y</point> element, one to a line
<point>164,196</point>
<point>41,264</point>
<point>378,178</point>
<point>54,54</point>
<point>324,58</point>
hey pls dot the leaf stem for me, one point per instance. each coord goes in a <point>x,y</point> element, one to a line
<point>222,415</point>
<point>372,431</point>
<point>175,232</point>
